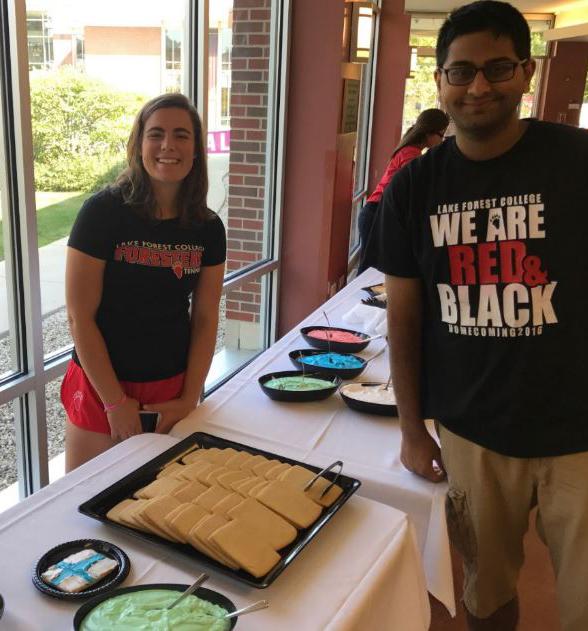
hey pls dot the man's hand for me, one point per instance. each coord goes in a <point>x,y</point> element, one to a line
<point>420,453</point>
<point>171,412</point>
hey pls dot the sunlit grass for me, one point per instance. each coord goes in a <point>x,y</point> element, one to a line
<point>55,215</point>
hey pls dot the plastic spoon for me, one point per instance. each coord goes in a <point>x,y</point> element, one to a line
<point>260,604</point>
<point>369,359</point>
<point>375,337</point>
<point>195,585</point>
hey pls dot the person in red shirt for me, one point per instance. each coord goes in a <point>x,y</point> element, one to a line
<point>428,131</point>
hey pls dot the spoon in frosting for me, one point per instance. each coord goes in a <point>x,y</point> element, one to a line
<point>195,585</point>
<point>260,604</point>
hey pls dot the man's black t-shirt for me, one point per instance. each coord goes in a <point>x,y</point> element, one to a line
<point>501,247</point>
<point>151,270</point>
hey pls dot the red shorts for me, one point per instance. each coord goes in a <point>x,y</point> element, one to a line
<point>85,409</point>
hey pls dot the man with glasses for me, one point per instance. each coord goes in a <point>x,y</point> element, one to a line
<point>483,247</point>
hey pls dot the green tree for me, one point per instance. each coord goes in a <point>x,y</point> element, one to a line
<point>80,129</point>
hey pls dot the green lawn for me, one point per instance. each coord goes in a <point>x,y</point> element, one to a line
<point>55,215</point>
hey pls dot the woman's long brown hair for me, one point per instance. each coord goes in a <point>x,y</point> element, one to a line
<point>134,182</point>
<point>432,121</point>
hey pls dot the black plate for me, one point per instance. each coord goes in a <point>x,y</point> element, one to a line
<point>344,373</point>
<point>116,577</point>
<point>365,406</point>
<point>336,347</point>
<point>375,290</point>
<point>206,594</point>
<point>99,505</point>
<point>302,396</point>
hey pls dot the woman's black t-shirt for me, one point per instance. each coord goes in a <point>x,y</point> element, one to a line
<point>501,247</point>
<point>152,267</point>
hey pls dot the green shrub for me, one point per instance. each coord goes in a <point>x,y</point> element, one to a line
<point>110,175</point>
<point>80,129</point>
<point>76,173</point>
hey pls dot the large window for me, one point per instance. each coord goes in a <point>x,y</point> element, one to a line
<point>173,60</point>
<point>540,49</point>
<point>584,108</point>
<point>241,121</point>
<point>64,122</point>
<point>360,37</point>
<point>40,41</point>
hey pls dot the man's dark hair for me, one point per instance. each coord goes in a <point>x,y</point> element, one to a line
<point>500,18</point>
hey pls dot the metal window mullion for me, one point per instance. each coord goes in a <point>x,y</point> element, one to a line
<point>6,201</point>
<point>30,416</point>
<point>189,49</point>
<point>281,24</point>
<point>251,274</point>
<point>200,62</point>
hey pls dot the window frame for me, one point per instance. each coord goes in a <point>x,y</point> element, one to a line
<point>25,385</point>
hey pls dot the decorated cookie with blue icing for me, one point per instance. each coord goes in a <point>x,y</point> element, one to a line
<point>79,571</point>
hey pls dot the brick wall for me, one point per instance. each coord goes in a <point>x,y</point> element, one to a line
<point>249,87</point>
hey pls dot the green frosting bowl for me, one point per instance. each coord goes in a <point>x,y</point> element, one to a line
<point>331,383</point>
<point>203,593</point>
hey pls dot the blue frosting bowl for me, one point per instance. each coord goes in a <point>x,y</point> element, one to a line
<point>298,357</point>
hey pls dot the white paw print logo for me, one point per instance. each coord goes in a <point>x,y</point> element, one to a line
<point>78,397</point>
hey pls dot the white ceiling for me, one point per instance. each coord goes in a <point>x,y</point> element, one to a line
<point>526,6</point>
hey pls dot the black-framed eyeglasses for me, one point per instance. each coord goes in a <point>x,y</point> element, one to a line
<point>494,72</point>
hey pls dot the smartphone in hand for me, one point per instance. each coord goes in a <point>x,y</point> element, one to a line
<point>149,420</point>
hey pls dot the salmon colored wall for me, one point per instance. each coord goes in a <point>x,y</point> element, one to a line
<point>566,78</point>
<point>392,70</point>
<point>312,240</point>
<point>314,106</point>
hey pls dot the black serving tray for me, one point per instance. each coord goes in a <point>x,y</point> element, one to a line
<point>345,373</point>
<point>329,345</point>
<point>100,504</point>
<point>205,594</point>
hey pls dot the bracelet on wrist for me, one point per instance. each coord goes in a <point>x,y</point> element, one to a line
<point>109,407</point>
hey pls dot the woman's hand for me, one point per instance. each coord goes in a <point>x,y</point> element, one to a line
<point>124,420</point>
<point>171,412</point>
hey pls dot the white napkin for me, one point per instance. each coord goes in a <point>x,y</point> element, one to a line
<point>367,319</point>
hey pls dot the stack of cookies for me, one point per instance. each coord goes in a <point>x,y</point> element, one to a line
<point>236,508</point>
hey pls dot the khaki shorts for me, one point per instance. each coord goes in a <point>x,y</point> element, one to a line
<point>488,506</point>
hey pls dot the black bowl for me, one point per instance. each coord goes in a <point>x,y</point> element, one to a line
<point>1,606</point>
<point>116,577</point>
<point>301,395</point>
<point>206,594</point>
<point>365,406</point>
<point>344,373</point>
<point>336,347</point>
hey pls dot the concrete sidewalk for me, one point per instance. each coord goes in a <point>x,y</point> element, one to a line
<point>52,273</point>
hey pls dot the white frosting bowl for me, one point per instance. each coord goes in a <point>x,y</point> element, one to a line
<point>370,398</point>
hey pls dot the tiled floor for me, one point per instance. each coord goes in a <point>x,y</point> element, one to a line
<point>536,592</point>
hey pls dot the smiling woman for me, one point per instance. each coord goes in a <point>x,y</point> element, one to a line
<point>138,252</point>
<point>167,150</point>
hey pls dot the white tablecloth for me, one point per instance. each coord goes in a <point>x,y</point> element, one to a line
<point>324,431</point>
<point>361,571</point>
